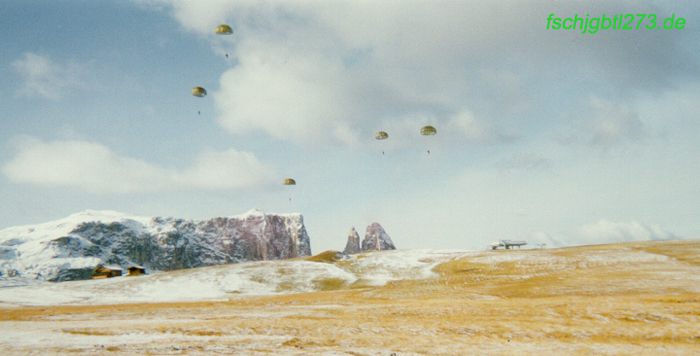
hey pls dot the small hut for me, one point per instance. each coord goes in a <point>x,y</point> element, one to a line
<point>102,271</point>
<point>136,271</point>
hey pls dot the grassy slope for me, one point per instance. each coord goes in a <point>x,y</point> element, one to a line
<point>638,298</point>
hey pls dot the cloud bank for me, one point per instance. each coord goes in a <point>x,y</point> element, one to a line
<point>338,71</point>
<point>94,168</point>
<point>605,232</point>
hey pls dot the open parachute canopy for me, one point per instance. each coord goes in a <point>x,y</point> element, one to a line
<point>381,135</point>
<point>199,91</point>
<point>428,131</point>
<point>289,181</point>
<point>223,29</point>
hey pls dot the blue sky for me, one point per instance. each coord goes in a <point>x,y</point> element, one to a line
<point>546,136</point>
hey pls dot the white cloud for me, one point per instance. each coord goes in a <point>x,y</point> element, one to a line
<point>95,168</point>
<point>44,77</point>
<point>605,231</point>
<point>301,99</point>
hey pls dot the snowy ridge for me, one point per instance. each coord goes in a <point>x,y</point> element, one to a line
<point>258,212</point>
<point>230,281</point>
<point>63,226</point>
<point>69,248</point>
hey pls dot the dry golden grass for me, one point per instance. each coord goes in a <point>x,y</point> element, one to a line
<point>688,252</point>
<point>329,256</point>
<point>559,301</point>
<point>325,284</point>
<point>97,332</point>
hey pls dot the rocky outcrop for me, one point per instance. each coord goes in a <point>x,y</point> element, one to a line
<point>353,244</point>
<point>70,248</point>
<point>376,239</point>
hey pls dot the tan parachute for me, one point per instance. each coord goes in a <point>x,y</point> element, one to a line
<point>223,29</point>
<point>199,92</point>
<point>381,135</point>
<point>428,131</point>
<point>289,182</point>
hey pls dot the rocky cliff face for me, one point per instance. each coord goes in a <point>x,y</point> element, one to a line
<point>70,248</point>
<point>353,244</point>
<point>376,239</point>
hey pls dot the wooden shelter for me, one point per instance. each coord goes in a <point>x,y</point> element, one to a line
<point>102,271</point>
<point>136,271</point>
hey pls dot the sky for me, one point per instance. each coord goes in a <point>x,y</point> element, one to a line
<point>547,136</point>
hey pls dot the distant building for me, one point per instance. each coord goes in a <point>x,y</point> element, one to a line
<point>102,271</point>
<point>136,271</point>
<point>507,244</point>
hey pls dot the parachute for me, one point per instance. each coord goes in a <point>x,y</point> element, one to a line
<point>223,29</point>
<point>289,181</point>
<point>381,135</point>
<point>199,92</point>
<point>428,131</point>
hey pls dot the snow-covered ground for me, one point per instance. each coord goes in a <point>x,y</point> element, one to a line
<point>639,298</point>
<point>228,281</point>
<point>225,282</point>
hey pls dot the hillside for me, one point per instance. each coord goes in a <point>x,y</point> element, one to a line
<point>635,298</point>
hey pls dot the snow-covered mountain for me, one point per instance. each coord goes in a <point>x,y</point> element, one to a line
<point>70,248</point>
